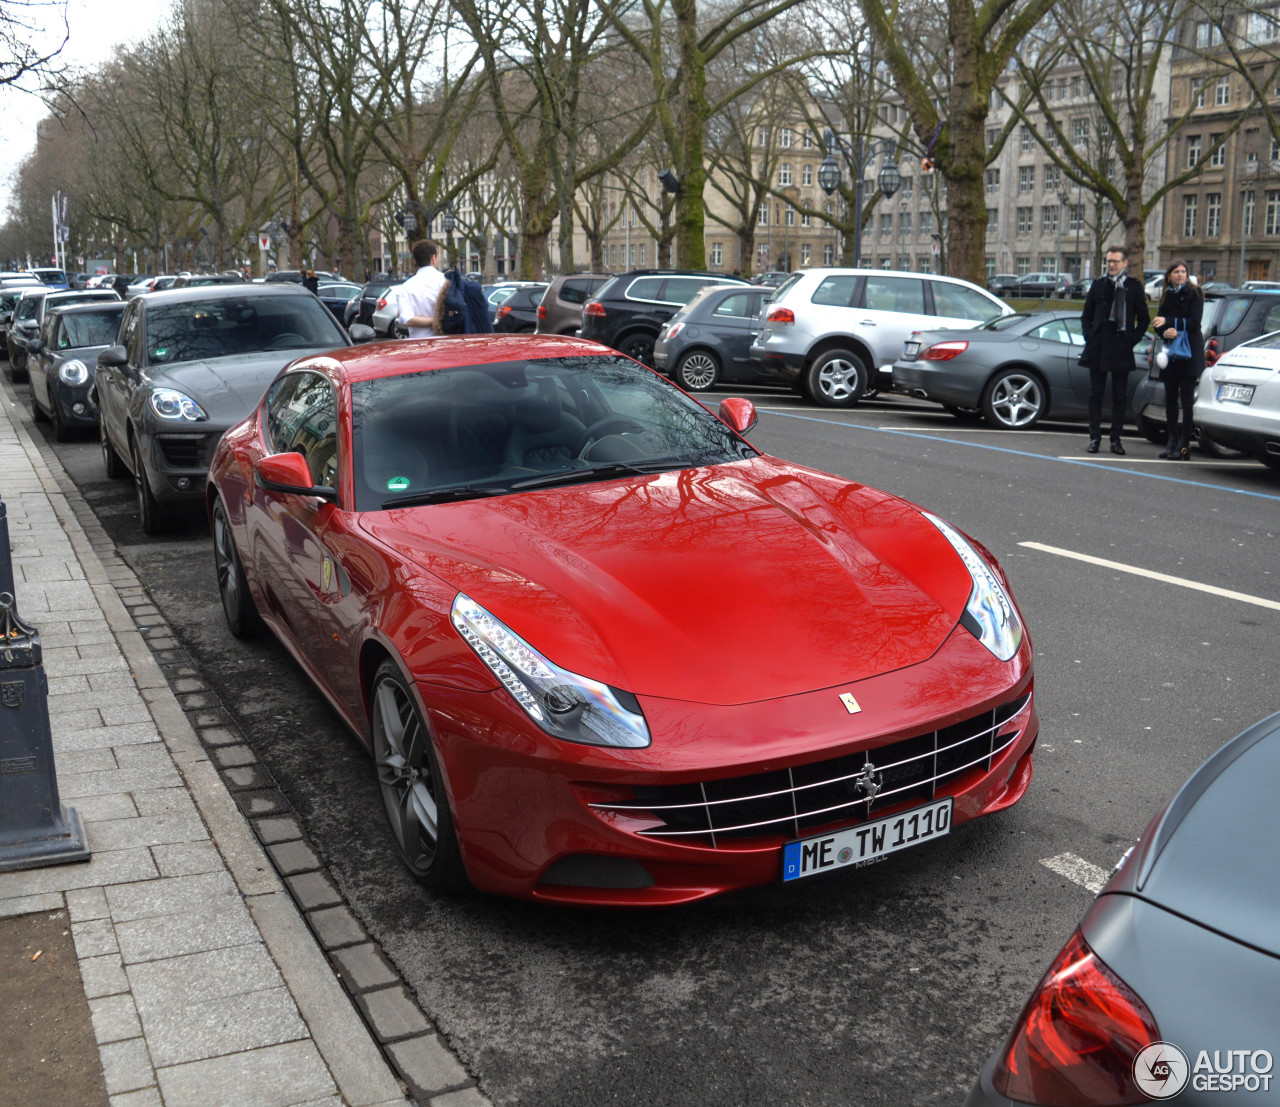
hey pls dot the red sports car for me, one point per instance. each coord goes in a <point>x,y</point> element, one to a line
<point>602,649</point>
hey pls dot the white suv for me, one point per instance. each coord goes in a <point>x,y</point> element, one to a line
<point>837,332</point>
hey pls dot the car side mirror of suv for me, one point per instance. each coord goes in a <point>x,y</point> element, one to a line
<point>113,357</point>
<point>738,413</point>
<point>289,473</point>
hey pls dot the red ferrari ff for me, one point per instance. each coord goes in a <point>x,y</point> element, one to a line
<point>601,648</point>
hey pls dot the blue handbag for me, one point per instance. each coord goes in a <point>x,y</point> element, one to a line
<point>1180,348</point>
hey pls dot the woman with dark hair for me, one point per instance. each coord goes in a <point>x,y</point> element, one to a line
<point>1181,309</point>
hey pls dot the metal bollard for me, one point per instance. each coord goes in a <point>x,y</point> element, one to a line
<point>35,829</point>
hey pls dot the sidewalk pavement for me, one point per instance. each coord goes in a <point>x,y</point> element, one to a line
<point>204,984</point>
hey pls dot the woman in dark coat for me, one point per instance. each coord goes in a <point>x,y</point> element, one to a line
<point>1181,308</point>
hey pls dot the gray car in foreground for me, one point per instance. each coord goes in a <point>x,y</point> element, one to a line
<point>1169,986</point>
<point>1015,370</point>
<point>190,363</point>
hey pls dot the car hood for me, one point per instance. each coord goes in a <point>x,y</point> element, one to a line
<point>726,585</point>
<point>228,388</point>
<point>1210,855</point>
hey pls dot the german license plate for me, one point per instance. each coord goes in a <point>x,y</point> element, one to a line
<point>868,842</point>
<point>910,349</point>
<point>1235,393</point>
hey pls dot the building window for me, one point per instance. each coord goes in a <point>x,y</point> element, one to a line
<point>993,180</point>
<point>926,222</point>
<point>808,141</point>
<point>1208,34</point>
<point>1193,150</point>
<point>904,224</point>
<point>1275,149</point>
<point>1024,138</point>
<point>993,219</point>
<point>1024,220</point>
<point>1197,92</point>
<point>762,216</point>
<point>1076,222</point>
<point>784,173</point>
<point>1048,263</point>
<point>1222,91</point>
<point>632,262</point>
<point>1219,157</point>
<point>1272,225</point>
<point>790,217</point>
<point>991,266</point>
<point>1080,129</point>
<point>806,220</point>
<point>1264,26</point>
<point>1076,86</point>
<point>784,138</point>
<point>642,251</point>
<point>1049,219</point>
<point>1189,206</point>
<point>885,263</point>
<point>828,254</point>
<point>806,254</point>
<point>1052,177</point>
<point>886,225</point>
<point>806,174</point>
<point>1246,216</point>
<point>717,253</point>
<point>1213,214</point>
<point>1022,266</point>
<point>993,136</point>
<point>1026,178</point>
<point>762,136</point>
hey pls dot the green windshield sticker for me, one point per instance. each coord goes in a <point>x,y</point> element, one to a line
<point>161,353</point>
<point>397,484</point>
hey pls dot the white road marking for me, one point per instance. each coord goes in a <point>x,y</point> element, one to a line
<point>1224,463</point>
<point>1077,870</point>
<point>1182,582</point>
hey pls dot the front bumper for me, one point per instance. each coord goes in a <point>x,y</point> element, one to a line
<point>177,462</point>
<point>526,806</point>
<point>76,404</point>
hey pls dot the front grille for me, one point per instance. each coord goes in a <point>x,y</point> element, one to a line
<point>184,451</point>
<point>804,797</point>
<point>588,870</point>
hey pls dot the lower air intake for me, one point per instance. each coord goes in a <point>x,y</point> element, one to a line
<point>589,870</point>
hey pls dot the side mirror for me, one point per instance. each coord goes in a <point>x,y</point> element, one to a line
<point>738,414</point>
<point>113,357</point>
<point>6,318</point>
<point>289,473</point>
<point>33,345</point>
<point>359,332</point>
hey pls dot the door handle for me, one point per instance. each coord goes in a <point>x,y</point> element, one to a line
<point>868,323</point>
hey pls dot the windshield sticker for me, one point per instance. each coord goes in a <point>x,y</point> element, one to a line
<point>161,352</point>
<point>397,484</point>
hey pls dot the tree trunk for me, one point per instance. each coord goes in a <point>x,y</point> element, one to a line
<point>746,248</point>
<point>966,198</point>
<point>691,246</point>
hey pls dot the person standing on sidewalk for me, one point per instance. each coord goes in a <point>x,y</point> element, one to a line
<point>416,298</point>
<point>1181,308</point>
<point>1114,319</point>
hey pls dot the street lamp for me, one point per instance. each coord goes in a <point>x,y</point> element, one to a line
<point>861,154</point>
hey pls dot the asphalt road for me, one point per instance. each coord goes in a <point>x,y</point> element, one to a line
<point>889,985</point>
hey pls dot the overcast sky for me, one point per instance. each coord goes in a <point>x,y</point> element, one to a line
<point>98,28</point>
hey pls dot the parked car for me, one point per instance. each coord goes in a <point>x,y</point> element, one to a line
<point>1002,284</point>
<point>1177,959</point>
<point>189,363</point>
<point>628,312</point>
<point>78,280</point>
<point>518,313</point>
<point>1015,370</point>
<point>295,276</point>
<point>28,318</point>
<point>1154,287</point>
<point>1238,399</point>
<point>61,363</point>
<point>772,279</point>
<point>11,290</point>
<point>1229,320</point>
<point>837,332</point>
<point>1217,286</point>
<point>432,536</point>
<point>708,341</point>
<point>561,309</point>
<point>372,298</point>
<point>1040,285</point>
<point>204,280</point>
<point>141,285</point>
<point>55,280</point>
<point>1078,290</point>
<point>336,295</point>
<point>1260,286</point>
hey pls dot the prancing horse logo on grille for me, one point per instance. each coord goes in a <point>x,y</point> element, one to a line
<point>869,782</point>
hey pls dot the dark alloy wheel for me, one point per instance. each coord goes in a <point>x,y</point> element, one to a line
<point>412,788</point>
<point>697,371</point>
<point>837,378</point>
<point>638,346</point>
<point>110,459</point>
<point>237,603</point>
<point>148,506</point>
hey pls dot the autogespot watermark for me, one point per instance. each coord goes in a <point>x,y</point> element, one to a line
<point>1162,1070</point>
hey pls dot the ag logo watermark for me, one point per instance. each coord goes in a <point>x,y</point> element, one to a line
<point>1162,1070</point>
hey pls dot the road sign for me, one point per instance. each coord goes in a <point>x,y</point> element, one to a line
<point>264,240</point>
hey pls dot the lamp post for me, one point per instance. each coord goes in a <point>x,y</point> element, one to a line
<point>1063,198</point>
<point>902,234</point>
<point>860,154</point>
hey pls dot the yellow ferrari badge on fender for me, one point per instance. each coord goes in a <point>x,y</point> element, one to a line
<point>851,705</point>
<point>327,573</point>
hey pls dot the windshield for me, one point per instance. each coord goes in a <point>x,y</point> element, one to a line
<point>93,328</point>
<point>483,430</point>
<point>195,329</point>
<point>51,276</point>
<point>27,307</point>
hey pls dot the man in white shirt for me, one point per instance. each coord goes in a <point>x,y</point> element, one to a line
<point>416,298</point>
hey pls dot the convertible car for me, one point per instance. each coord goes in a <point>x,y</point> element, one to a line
<point>601,648</point>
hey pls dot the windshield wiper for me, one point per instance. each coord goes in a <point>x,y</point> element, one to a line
<point>446,494</point>
<point>612,469</point>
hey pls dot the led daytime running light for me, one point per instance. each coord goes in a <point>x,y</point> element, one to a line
<point>169,403</point>
<point>989,615</point>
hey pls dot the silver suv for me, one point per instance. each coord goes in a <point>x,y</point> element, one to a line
<point>837,332</point>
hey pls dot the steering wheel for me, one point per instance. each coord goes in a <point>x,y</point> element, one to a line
<point>286,339</point>
<point>611,424</point>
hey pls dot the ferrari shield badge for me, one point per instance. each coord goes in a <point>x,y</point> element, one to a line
<point>850,704</point>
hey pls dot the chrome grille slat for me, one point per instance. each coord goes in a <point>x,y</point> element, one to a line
<point>663,833</point>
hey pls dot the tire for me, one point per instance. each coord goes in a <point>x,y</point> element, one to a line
<point>697,371</point>
<point>37,412</point>
<point>638,345</point>
<point>1157,433</point>
<point>964,414</point>
<point>837,378</point>
<point>412,787</point>
<point>1014,399</point>
<point>148,507</point>
<point>61,432</point>
<point>110,459</point>
<point>1210,448</point>
<point>233,587</point>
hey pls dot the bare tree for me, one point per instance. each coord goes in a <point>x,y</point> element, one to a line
<point>33,34</point>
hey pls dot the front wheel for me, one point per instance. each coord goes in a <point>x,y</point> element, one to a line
<point>412,787</point>
<point>837,378</point>
<point>148,506</point>
<point>110,459</point>
<point>1014,399</point>
<point>697,371</point>
<point>37,412</point>
<point>638,346</point>
<point>233,587</point>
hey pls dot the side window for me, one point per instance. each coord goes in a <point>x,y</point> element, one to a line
<point>1075,330</point>
<point>1052,332</point>
<point>46,332</point>
<point>1230,314</point>
<point>680,290</point>
<point>645,288</point>
<point>834,291</point>
<point>1272,322</point>
<point>904,294</point>
<point>278,396</point>
<point>958,302</point>
<point>733,305</point>
<point>573,292</point>
<point>308,425</point>
<point>129,335</point>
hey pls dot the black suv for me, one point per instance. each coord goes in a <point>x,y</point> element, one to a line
<point>629,311</point>
<point>1230,318</point>
<point>518,313</point>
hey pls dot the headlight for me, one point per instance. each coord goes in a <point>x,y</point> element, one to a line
<point>562,703</point>
<point>171,404</point>
<point>989,615</point>
<point>73,372</point>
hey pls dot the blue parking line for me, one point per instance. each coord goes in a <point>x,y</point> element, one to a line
<point>1027,453</point>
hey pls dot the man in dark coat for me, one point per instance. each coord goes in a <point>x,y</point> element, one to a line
<point>1114,319</point>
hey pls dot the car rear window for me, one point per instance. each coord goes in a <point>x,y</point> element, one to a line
<point>574,291</point>
<point>1230,314</point>
<point>1272,321</point>
<point>834,291</point>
